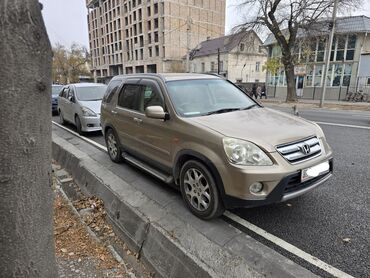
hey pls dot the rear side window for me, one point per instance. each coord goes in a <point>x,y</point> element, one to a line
<point>139,97</point>
<point>129,97</point>
<point>111,90</point>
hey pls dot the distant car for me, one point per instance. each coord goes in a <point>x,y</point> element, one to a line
<point>80,104</point>
<point>55,90</point>
<point>219,146</point>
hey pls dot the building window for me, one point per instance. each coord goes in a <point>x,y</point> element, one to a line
<point>347,74</point>
<point>309,75</point>
<point>318,75</point>
<point>341,45</point>
<point>258,66</point>
<point>203,67</point>
<point>351,45</point>
<point>242,47</point>
<point>149,38</point>
<point>337,75</point>
<point>212,66</point>
<point>221,66</point>
<point>321,50</point>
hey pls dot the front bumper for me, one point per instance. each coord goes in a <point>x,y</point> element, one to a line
<point>289,187</point>
<point>90,124</point>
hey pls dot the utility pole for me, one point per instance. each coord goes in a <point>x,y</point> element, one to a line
<point>328,52</point>
<point>188,42</point>
<point>218,61</point>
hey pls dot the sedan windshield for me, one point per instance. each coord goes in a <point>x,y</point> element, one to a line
<point>55,89</point>
<point>193,98</point>
<point>91,93</point>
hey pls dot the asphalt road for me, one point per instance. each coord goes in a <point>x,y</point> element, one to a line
<point>333,221</point>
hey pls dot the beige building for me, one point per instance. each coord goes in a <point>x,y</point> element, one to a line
<point>238,57</point>
<point>135,36</point>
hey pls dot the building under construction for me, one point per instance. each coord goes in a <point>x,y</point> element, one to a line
<point>137,36</point>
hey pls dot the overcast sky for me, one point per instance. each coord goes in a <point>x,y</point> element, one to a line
<point>66,20</point>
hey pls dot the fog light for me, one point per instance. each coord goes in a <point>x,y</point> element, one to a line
<point>256,187</point>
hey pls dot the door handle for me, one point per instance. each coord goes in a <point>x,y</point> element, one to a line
<point>114,112</point>
<point>139,121</point>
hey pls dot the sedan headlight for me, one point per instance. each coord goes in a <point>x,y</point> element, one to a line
<point>245,153</point>
<point>88,112</point>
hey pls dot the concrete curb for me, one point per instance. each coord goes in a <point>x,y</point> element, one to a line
<point>167,243</point>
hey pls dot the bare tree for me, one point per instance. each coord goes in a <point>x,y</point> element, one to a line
<point>70,64</point>
<point>285,19</point>
<point>26,233</point>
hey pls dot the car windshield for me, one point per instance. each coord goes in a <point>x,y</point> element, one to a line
<point>91,93</point>
<point>55,89</point>
<point>193,98</point>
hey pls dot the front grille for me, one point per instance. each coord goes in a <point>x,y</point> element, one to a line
<point>301,150</point>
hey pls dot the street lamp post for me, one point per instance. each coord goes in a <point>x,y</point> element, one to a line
<point>329,52</point>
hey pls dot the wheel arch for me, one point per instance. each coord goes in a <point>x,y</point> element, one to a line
<point>186,155</point>
<point>109,126</point>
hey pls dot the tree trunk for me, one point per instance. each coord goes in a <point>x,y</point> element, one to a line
<point>26,233</point>
<point>291,88</point>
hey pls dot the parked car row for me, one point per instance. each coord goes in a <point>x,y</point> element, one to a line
<point>203,135</point>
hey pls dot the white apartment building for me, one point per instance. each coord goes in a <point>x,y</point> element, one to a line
<point>137,36</point>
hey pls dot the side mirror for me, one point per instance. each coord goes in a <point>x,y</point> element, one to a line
<point>71,99</point>
<point>155,112</point>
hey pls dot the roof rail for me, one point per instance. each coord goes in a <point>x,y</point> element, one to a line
<point>215,74</point>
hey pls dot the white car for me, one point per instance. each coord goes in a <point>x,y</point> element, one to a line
<point>79,104</point>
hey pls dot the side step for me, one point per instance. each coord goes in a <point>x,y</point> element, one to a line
<point>147,168</point>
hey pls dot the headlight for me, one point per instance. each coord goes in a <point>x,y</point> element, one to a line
<point>245,153</point>
<point>87,112</point>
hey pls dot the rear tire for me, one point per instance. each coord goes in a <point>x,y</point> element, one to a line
<point>113,146</point>
<point>199,191</point>
<point>78,125</point>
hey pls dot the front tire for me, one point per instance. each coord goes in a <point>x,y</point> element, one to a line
<point>61,118</point>
<point>78,125</point>
<point>113,147</point>
<point>199,191</point>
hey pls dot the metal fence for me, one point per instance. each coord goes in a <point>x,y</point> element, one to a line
<point>354,93</point>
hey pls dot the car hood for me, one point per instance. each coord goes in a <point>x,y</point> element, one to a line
<point>92,105</point>
<point>262,126</point>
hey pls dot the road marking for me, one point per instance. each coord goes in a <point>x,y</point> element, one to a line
<point>287,246</point>
<point>274,239</point>
<point>344,125</point>
<point>101,147</point>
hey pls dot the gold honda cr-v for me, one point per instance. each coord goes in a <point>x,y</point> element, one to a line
<point>204,135</point>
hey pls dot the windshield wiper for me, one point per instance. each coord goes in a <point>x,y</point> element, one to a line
<point>248,107</point>
<point>222,110</point>
<point>93,99</point>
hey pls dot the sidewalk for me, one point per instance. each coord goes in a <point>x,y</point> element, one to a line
<point>328,104</point>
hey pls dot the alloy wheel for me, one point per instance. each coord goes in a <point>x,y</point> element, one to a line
<point>112,145</point>
<point>197,189</point>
